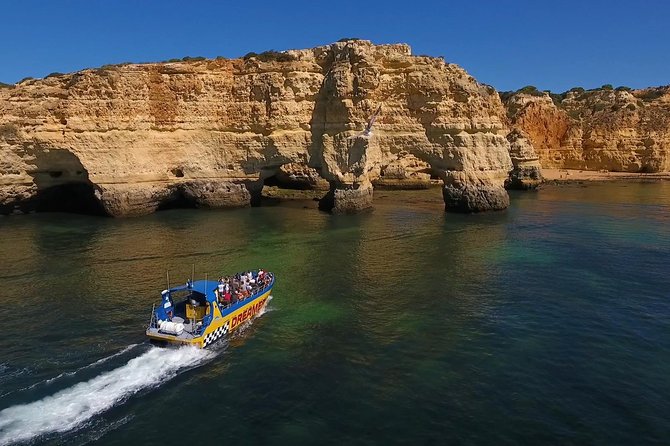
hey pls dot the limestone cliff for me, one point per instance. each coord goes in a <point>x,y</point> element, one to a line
<point>604,129</point>
<point>130,139</point>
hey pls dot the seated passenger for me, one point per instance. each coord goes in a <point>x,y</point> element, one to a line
<point>221,288</point>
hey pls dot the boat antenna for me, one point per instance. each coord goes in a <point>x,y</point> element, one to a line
<point>167,275</point>
<point>192,274</point>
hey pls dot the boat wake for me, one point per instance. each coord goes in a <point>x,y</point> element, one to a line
<point>89,366</point>
<point>72,407</point>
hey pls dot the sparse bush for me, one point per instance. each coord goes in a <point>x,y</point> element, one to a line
<point>531,90</point>
<point>346,39</point>
<point>3,85</point>
<point>26,79</point>
<point>623,88</point>
<point>576,90</point>
<point>599,107</point>
<point>607,87</point>
<point>270,56</point>
<point>556,98</point>
<point>505,95</point>
<point>192,59</point>
<point>631,107</point>
<point>574,114</point>
<point>9,131</point>
<point>650,94</point>
<point>54,74</point>
<point>174,60</point>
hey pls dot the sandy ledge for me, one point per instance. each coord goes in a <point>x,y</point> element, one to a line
<point>570,175</point>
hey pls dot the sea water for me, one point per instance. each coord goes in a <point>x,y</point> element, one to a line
<point>547,323</point>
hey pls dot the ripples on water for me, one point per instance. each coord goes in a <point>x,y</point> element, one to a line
<point>544,324</point>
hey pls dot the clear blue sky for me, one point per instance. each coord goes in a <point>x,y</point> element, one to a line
<point>550,44</point>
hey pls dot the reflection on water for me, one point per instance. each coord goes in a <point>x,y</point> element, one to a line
<point>546,323</point>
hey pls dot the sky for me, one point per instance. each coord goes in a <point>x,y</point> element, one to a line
<point>553,45</point>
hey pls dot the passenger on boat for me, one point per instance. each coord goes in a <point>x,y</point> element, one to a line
<point>221,288</point>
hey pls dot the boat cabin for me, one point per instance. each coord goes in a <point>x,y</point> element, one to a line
<point>192,305</point>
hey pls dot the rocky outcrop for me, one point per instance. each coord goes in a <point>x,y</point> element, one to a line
<point>610,129</point>
<point>527,172</point>
<point>140,137</point>
<point>405,172</point>
<point>300,176</point>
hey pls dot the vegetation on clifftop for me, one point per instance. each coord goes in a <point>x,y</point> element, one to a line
<point>581,94</point>
<point>270,56</point>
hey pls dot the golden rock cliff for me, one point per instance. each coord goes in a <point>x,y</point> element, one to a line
<point>130,139</point>
<point>619,130</point>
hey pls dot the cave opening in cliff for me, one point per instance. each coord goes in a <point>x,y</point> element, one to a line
<point>75,197</point>
<point>275,181</point>
<point>177,201</point>
<point>279,188</point>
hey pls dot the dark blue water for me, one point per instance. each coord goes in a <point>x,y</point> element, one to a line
<point>543,324</point>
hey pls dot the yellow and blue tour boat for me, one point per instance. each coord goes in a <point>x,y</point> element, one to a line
<point>196,314</point>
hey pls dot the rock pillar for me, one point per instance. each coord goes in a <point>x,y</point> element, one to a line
<point>466,192</point>
<point>347,199</point>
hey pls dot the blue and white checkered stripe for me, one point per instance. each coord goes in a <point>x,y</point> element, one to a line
<point>216,334</point>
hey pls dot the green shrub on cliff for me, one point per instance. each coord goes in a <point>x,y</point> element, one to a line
<point>623,88</point>
<point>192,59</point>
<point>3,85</point>
<point>650,94</point>
<point>531,90</point>
<point>607,87</point>
<point>270,56</point>
<point>9,131</point>
<point>556,98</point>
<point>346,39</point>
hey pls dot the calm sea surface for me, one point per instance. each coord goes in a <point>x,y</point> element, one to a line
<point>548,323</point>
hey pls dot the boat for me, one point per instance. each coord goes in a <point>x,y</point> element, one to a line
<point>194,314</point>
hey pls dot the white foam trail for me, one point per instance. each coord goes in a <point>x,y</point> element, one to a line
<point>74,372</point>
<point>93,364</point>
<point>107,358</point>
<point>266,307</point>
<point>75,405</point>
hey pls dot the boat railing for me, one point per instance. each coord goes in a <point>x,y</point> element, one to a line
<point>152,320</point>
<point>254,293</point>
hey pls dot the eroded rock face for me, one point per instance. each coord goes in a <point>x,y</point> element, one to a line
<point>208,133</point>
<point>405,172</point>
<point>527,172</point>
<point>605,129</point>
<point>300,176</point>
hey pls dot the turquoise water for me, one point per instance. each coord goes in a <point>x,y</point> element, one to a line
<point>543,324</point>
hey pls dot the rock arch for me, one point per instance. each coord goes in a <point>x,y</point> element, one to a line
<point>58,182</point>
